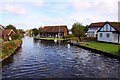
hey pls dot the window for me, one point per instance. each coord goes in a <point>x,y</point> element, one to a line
<point>101,34</point>
<point>106,27</point>
<point>107,35</point>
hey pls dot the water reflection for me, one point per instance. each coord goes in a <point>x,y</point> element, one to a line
<point>52,43</point>
<point>49,59</point>
<point>10,59</point>
<point>68,45</point>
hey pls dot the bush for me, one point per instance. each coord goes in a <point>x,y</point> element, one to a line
<point>9,47</point>
<point>75,39</point>
<point>1,40</point>
<point>69,36</point>
<point>88,38</point>
<point>16,36</point>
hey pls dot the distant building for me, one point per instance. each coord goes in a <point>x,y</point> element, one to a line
<point>6,34</point>
<point>54,31</point>
<point>109,32</point>
<point>93,28</point>
<point>2,27</point>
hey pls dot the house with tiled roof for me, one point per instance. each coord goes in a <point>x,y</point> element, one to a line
<point>93,28</point>
<point>109,32</point>
<point>54,31</point>
<point>2,27</point>
<point>6,34</point>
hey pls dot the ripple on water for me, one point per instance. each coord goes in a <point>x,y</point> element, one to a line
<point>49,60</point>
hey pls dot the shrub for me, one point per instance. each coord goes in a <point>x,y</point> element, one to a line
<point>16,36</point>
<point>1,40</point>
<point>9,47</point>
<point>69,36</point>
<point>75,39</point>
<point>88,38</point>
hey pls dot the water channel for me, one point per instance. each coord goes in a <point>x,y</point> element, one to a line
<point>49,59</point>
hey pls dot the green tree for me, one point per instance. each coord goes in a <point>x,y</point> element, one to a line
<point>11,27</point>
<point>28,32</point>
<point>20,31</point>
<point>35,31</point>
<point>86,28</point>
<point>16,36</point>
<point>78,30</point>
<point>40,29</point>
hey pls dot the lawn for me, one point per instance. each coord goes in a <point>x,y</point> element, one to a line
<point>106,47</point>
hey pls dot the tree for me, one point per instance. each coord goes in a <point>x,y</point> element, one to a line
<point>16,36</point>
<point>40,29</point>
<point>35,31</point>
<point>21,31</point>
<point>28,32</point>
<point>11,27</point>
<point>86,28</point>
<point>78,30</point>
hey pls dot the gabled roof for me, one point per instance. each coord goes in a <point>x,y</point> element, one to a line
<point>115,25</point>
<point>96,25</point>
<point>51,29</point>
<point>7,32</point>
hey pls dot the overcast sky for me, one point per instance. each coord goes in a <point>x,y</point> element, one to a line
<point>27,14</point>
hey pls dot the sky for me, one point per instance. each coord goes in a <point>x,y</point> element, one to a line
<point>28,14</point>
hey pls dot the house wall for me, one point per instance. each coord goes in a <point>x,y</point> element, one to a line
<point>107,30</point>
<point>107,27</point>
<point>66,32</point>
<point>92,32</point>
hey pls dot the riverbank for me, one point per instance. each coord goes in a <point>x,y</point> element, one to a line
<point>97,49</point>
<point>58,39</point>
<point>9,48</point>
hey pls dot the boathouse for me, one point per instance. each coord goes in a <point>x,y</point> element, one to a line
<point>54,31</point>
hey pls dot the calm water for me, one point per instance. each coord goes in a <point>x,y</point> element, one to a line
<point>46,59</point>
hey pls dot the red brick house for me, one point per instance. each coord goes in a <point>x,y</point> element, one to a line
<point>6,34</point>
<point>54,31</point>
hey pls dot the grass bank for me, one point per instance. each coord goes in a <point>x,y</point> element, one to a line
<point>106,47</point>
<point>51,39</point>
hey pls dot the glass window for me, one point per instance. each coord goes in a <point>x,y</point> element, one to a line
<point>107,35</point>
<point>100,34</point>
<point>106,27</point>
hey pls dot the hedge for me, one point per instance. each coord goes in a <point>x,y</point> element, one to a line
<point>9,48</point>
<point>88,39</point>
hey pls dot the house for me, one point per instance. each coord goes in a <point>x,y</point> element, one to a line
<point>6,34</point>
<point>109,32</point>
<point>54,31</point>
<point>2,27</point>
<point>93,28</point>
